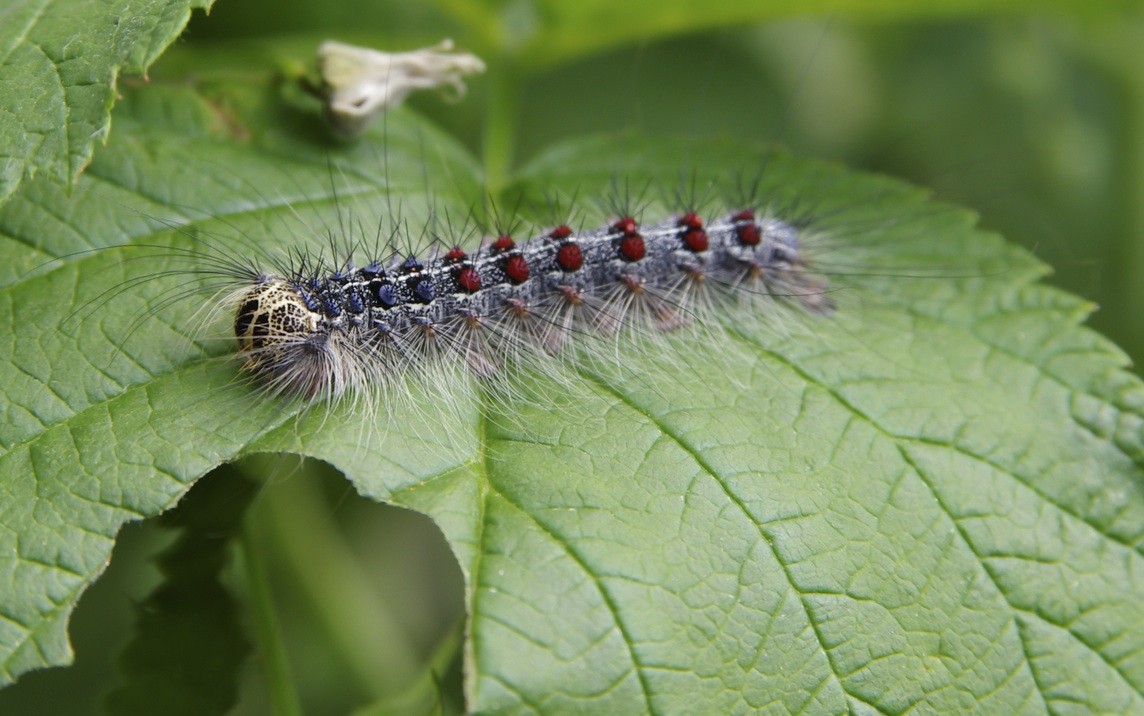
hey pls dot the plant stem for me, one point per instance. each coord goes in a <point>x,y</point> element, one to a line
<point>500,124</point>
<point>268,635</point>
<point>423,693</point>
<point>327,573</point>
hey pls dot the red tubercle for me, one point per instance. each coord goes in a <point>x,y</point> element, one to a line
<point>695,240</point>
<point>747,231</point>
<point>632,247</point>
<point>627,226</point>
<point>503,242</point>
<point>516,268</point>
<point>690,220</point>
<point>468,280</point>
<point>456,254</point>
<point>569,257</point>
<point>748,234</point>
<point>694,237</point>
<point>560,232</point>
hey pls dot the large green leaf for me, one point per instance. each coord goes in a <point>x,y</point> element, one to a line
<point>930,500</point>
<point>59,61</point>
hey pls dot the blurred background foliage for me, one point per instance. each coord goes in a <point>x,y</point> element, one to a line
<point>1032,114</point>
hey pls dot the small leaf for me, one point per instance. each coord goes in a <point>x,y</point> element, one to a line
<point>59,62</point>
<point>930,500</point>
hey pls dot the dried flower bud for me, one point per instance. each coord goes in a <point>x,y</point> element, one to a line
<point>361,83</point>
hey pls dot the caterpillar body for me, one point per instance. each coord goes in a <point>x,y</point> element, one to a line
<point>320,330</point>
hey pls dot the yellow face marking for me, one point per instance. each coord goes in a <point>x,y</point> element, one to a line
<point>272,316</point>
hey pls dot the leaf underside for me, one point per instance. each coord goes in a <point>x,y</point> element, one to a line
<point>931,499</point>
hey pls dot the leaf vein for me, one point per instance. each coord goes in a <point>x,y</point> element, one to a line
<point>701,461</point>
<point>605,596</point>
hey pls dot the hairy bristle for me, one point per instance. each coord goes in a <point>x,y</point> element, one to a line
<point>317,331</point>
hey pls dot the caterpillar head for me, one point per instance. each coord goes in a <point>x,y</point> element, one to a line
<point>284,342</point>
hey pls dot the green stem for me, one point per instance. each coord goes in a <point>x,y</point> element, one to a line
<point>1115,45</point>
<point>424,694</point>
<point>326,572</point>
<point>1130,180</point>
<point>267,634</point>
<point>500,124</point>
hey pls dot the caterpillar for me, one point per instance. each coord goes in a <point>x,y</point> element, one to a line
<point>318,330</point>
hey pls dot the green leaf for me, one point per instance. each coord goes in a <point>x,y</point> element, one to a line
<point>930,500</point>
<point>59,62</point>
<point>188,645</point>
